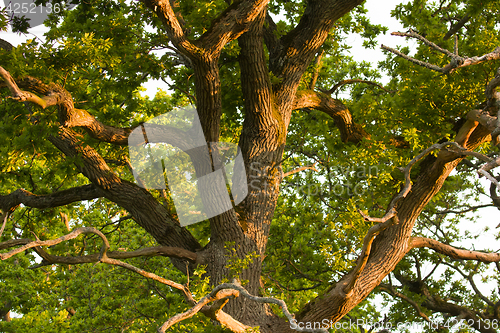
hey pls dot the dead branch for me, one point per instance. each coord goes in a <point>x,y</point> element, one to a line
<point>453,252</point>
<point>456,60</point>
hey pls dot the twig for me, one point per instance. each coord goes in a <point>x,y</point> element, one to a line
<point>424,40</point>
<point>469,209</point>
<point>473,284</point>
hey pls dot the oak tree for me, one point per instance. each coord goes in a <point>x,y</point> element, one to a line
<point>341,191</point>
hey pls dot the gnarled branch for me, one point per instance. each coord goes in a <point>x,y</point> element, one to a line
<point>233,290</point>
<point>349,130</point>
<point>69,116</point>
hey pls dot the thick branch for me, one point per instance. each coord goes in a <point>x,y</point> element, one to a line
<point>299,47</point>
<point>453,252</point>
<point>24,96</point>
<point>349,131</point>
<point>229,25</point>
<point>56,199</point>
<point>392,243</point>
<point>165,12</point>
<point>147,211</point>
<point>388,220</point>
<point>69,116</point>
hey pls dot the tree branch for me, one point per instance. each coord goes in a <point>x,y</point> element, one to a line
<point>349,131</point>
<point>390,290</point>
<point>469,209</point>
<point>437,304</point>
<point>388,220</point>
<point>101,257</point>
<point>473,284</point>
<point>233,290</point>
<point>453,252</point>
<point>298,48</point>
<point>351,81</point>
<point>454,29</point>
<point>299,169</point>
<point>69,116</point>
<point>56,199</point>
<point>48,259</point>
<point>229,25</point>
<point>456,61</point>
<point>147,211</point>
<point>5,45</point>
<point>165,13</point>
